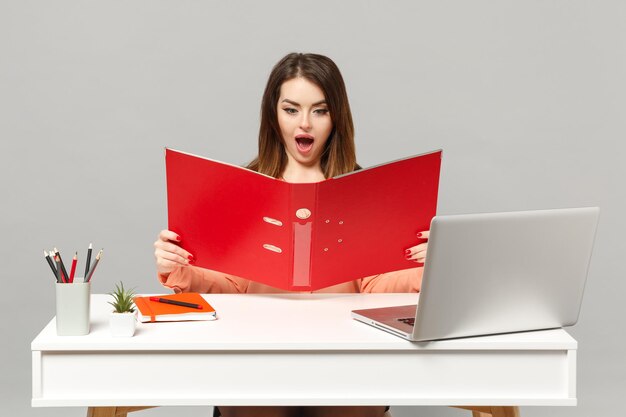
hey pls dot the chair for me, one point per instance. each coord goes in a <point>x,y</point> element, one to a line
<point>476,411</point>
<point>486,411</point>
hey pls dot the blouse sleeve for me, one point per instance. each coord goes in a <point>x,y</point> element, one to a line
<point>407,280</point>
<point>195,279</point>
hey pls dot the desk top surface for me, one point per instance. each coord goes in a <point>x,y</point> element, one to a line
<point>281,322</point>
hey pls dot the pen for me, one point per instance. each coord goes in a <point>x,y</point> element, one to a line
<point>73,269</point>
<point>176,303</point>
<point>65,276</point>
<point>54,271</point>
<point>88,264</point>
<point>93,267</point>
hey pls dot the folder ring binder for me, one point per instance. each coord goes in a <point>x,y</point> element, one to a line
<point>300,237</point>
<point>303,213</point>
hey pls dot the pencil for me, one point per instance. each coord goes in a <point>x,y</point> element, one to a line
<point>66,277</point>
<point>54,271</point>
<point>93,267</point>
<point>59,273</point>
<point>73,269</point>
<point>88,264</point>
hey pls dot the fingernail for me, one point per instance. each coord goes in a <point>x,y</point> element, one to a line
<point>419,234</point>
<point>191,259</point>
<point>407,251</point>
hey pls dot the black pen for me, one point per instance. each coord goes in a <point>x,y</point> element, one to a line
<point>176,303</point>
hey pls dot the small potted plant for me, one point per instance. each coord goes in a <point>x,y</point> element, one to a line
<point>123,318</point>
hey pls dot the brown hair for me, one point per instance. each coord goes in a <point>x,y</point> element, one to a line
<point>339,155</point>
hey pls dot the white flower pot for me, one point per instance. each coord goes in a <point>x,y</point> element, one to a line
<point>122,324</point>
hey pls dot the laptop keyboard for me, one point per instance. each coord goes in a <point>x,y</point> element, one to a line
<point>409,320</point>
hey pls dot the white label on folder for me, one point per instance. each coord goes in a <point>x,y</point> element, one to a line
<point>302,254</point>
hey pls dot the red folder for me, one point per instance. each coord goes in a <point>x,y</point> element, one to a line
<point>300,237</point>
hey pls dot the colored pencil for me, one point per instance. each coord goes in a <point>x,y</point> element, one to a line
<point>59,272</point>
<point>88,264</point>
<point>54,270</point>
<point>73,269</point>
<point>66,278</point>
<point>93,267</point>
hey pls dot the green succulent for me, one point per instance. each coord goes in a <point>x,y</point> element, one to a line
<point>122,299</point>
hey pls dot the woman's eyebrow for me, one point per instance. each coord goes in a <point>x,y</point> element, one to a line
<point>290,102</point>
<point>298,104</point>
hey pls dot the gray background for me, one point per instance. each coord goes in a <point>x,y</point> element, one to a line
<point>526,98</point>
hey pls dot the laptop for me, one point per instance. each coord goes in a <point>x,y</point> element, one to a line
<point>497,273</point>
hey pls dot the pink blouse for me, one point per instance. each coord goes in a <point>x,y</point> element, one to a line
<point>195,279</point>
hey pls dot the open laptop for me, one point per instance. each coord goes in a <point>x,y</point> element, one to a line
<point>497,273</point>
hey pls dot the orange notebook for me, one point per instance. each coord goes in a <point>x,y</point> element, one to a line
<point>151,311</point>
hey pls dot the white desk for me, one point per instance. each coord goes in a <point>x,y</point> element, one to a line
<point>296,349</point>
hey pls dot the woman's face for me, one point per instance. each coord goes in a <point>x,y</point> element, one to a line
<point>304,121</point>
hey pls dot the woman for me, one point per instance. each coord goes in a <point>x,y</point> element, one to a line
<point>306,136</point>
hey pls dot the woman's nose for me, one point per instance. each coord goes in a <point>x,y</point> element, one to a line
<point>305,122</point>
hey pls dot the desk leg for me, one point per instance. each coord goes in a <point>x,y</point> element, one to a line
<point>493,411</point>
<point>112,411</point>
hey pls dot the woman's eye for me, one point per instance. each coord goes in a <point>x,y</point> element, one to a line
<point>290,110</point>
<point>321,111</point>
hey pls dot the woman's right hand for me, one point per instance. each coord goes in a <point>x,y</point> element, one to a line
<point>169,255</point>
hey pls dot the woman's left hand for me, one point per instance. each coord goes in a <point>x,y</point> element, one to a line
<point>418,253</point>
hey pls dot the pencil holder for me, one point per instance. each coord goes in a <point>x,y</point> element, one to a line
<point>73,308</point>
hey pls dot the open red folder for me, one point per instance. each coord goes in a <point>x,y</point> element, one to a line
<point>300,237</point>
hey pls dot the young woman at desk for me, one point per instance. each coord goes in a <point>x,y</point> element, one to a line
<point>306,136</point>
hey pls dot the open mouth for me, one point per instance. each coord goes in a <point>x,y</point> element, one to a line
<point>304,143</point>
